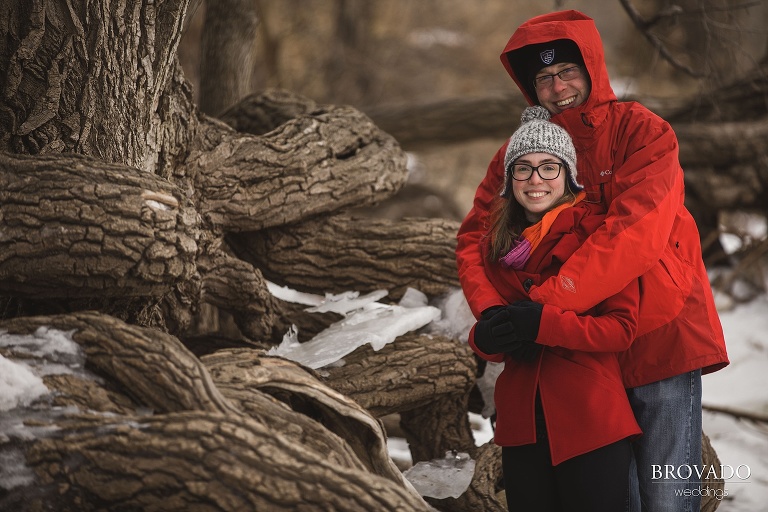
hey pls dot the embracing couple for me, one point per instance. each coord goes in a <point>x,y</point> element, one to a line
<point>584,271</point>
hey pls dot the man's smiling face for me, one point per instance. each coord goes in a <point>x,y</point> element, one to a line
<point>561,94</point>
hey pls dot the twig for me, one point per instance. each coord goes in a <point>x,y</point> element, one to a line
<point>742,415</point>
<point>751,257</point>
<point>643,26</point>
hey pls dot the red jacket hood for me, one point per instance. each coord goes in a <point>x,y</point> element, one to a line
<point>580,29</point>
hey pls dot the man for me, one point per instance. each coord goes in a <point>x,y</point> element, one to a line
<point>628,159</point>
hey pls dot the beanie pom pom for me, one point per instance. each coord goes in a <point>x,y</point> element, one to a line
<point>534,113</point>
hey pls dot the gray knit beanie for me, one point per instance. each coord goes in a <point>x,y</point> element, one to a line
<point>538,135</point>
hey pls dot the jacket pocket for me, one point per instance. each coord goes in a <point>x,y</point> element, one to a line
<point>663,289</point>
<point>679,269</point>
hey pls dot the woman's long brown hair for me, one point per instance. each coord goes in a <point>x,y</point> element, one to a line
<point>507,220</point>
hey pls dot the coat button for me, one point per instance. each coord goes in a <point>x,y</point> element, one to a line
<point>527,284</point>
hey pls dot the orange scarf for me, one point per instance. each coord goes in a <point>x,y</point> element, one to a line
<point>529,239</point>
<point>536,232</point>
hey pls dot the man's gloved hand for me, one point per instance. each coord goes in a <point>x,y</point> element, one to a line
<point>524,351</point>
<point>525,315</point>
<point>511,330</point>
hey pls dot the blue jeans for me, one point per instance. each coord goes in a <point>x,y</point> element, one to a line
<point>669,413</point>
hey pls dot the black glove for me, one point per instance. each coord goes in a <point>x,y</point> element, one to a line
<point>524,351</point>
<point>483,337</point>
<point>525,316</point>
<point>491,311</point>
<point>511,330</point>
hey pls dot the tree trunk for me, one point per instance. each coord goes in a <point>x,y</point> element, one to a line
<point>241,372</point>
<point>342,253</point>
<point>722,145</point>
<point>405,375</point>
<point>129,195</point>
<point>201,460</point>
<point>228,53</point>
<point>450,121</point>
<point>65,90</point>
<point>74,226</point>
<point>319,163</point>
<point>438,427</point>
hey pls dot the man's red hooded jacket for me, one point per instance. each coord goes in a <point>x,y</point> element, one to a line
<point>628,160</point>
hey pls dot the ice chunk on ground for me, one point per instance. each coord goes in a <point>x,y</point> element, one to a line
<point>413,298</point>
<point>442,478</point>
<point>289,295</point>
<point>377,324</point>
<point>366,321</point>
<point>457,319</point>
<point>345,302</point>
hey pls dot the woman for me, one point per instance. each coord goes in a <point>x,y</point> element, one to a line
<point>563,418</point>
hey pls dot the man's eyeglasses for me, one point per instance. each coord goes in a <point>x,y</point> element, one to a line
<point>546,81</point>
<point>547,171</point>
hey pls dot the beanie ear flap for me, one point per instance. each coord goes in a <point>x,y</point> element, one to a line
<point>506,187</point>
<point>570,167</point>
<point>571,183</point>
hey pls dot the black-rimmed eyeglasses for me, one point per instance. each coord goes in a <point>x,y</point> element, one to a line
<point>547,171</point>
<point>546,81</point>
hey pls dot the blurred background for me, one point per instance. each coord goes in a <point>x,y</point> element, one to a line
<point>398,58</point>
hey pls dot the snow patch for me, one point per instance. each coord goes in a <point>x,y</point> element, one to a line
<point>457,319</point>
<point>44,342</point>
<point>29,357</point>
<point>14,470</point>
<point>442,478</point>
<point>19,386</point>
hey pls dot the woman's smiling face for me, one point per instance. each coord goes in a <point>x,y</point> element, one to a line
<point>536,195</point>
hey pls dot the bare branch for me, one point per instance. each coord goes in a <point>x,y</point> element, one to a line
<point>644,25</point>
<point>741,415</point>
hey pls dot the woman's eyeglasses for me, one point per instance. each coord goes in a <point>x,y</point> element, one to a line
<point>547,171</point>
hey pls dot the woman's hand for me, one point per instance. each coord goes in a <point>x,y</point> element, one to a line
<point>510,330</point>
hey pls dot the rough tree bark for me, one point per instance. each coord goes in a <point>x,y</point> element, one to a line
<point>217,441</point>
<point>78,227</point>
<point>117,196</point>
<point>404,376</point>
<point>226,55</point>
<point>159,463</point>
<point>368,254</point>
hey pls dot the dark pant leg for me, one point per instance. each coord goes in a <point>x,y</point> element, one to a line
<point>597,481</point>
<point>529,479</point>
